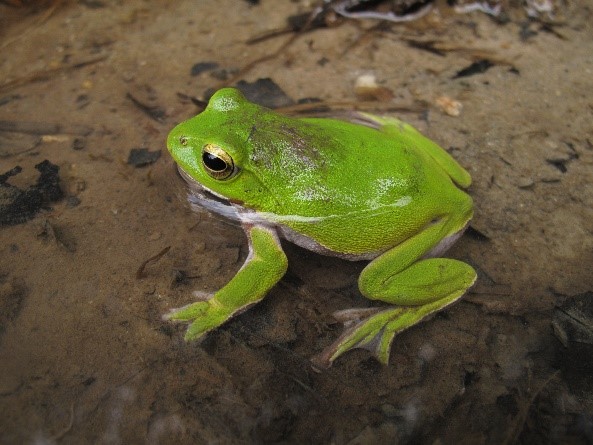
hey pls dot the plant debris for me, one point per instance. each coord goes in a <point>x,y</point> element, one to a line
<point>366,88</point>
<point>561,161</point>
<point>265,92</point>
<point>478,67</point>
<point>18,206</point>
<point>202,67</point>
<point>141,157</point>
<point>43,128</point>
<point>449,106</point>
<point>153,259</point>
<point>47,74</point>
<point>142,98</point>
<point>391,11</point>
<point>58,235</point>
<point>573,320</point>
<point>12,297</point>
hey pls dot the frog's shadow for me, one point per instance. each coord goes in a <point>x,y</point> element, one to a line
<point>320,271</point>
<point>313,288</point>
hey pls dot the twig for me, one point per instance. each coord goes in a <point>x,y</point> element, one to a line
<point>329,107</point>
<point>245,69</point>
<point>53,8</point>
<point>46,74</point>
<point>43,128</point>
<point>140,272</point>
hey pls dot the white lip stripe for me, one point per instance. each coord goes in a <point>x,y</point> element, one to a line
<point>200,197</point>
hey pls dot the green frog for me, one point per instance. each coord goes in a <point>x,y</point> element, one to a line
<point>374,190</point>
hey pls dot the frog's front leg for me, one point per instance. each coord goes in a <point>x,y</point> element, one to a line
<point>400,276</point>
<point>264,267</point>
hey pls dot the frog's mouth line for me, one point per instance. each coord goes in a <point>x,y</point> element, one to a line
<point>197,188</point>
<point>201,197</point>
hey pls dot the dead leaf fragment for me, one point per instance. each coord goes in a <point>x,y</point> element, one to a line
<point>449,106</point>
<point>367,89</point>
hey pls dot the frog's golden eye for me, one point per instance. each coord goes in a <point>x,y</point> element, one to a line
<point>217,162</point>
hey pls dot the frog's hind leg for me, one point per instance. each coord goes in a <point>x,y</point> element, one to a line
<point>415,287</point>
<point>375,328</point>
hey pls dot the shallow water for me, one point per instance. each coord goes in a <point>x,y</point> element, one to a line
<point>85,356</point>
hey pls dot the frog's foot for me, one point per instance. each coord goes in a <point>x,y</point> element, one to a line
<point>263,268</point>
<point>203,316</point>
<point>369,328</point>
<point>374,328</point>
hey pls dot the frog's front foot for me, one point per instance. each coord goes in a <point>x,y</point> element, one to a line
<point>202,315</point>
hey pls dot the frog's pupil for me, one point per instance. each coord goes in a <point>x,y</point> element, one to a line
<point>213,162</point>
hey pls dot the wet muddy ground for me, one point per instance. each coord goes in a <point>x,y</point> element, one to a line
<point>85,356</point>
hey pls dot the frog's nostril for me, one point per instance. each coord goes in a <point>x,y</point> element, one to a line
<point>183,140</point>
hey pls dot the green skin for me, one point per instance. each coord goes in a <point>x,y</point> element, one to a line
<point>379,191</point>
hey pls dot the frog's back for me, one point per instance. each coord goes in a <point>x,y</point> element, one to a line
<point>367,191</point>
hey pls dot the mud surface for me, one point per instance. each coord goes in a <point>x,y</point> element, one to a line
<point>85,356</point>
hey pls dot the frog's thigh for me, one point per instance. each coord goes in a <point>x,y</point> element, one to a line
<point>400,277</point>
<point>423,282</point>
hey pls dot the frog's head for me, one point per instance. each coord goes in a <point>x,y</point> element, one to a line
<point>212,151</point>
